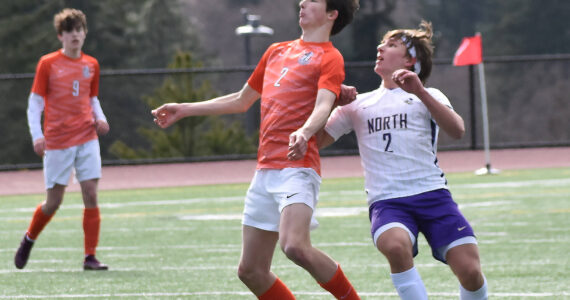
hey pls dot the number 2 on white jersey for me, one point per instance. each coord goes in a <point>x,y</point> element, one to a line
<point>388,138</point>
<point>75,88</point>
<point>283,72</point>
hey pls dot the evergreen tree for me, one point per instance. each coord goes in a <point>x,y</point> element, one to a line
<point>188,137</point>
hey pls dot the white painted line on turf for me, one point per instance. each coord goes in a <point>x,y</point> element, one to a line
<point>320,212</point>
<point>512,184</point>
<point>137,203</point>
<point>516,184</point>
<point>248,294</point>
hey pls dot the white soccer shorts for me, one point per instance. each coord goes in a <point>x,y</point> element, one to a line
<point>59,163</point>
<point>271,190</point>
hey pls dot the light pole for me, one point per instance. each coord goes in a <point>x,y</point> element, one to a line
<point>252,27</point>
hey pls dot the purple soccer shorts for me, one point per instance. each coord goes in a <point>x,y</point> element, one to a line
<point>432,213</point>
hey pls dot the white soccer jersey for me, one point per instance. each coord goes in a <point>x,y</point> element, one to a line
<point>397,141</point>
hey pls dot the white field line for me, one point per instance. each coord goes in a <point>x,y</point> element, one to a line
<point>237,247</point>
<point>510,184</point>
<point>234,267</point>
<point>248,294</point>
<point>515,184</point>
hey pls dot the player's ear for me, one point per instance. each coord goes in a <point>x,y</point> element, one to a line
<point>332,14</point>
<point>410,61</point>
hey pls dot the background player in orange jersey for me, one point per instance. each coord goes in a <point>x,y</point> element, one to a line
<point>298,82</point>
<point>65,89</point>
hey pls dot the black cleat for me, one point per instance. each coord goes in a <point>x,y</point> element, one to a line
<point>23,253</point>
<point>91,263</point>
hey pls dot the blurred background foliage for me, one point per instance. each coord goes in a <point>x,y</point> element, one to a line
<point>150,34</point>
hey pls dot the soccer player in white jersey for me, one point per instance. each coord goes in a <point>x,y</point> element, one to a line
<point>397,127</point>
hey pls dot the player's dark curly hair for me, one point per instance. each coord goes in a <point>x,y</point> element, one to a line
<point>421,40</point>
<point>68,19</point>
<point>346,10</point>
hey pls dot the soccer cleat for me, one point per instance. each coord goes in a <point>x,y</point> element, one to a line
<point>23,253</point>
<point>91,263</point>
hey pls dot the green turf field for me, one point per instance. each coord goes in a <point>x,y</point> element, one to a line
<point>184,243</point>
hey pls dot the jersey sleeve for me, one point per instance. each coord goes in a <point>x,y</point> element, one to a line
<point>41,79</point>
<point>255,81</point>
<point>95,82</point>
<point>440,97</point>
<point>332,72</point>
<point>339,122</point>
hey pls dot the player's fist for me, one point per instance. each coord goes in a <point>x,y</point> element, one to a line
<point>298,143</point>
<point>347,95</point>
<point>40,146</point>
<point>101,127</point>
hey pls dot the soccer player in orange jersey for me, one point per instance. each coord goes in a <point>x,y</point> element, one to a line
<point>65,89</point>
<point>298,82</point>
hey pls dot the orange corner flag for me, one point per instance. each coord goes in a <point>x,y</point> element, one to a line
<point>470,52</point>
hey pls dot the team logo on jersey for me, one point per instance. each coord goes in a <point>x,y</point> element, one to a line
<point>86,72</point>
<point>303,60</point>
<point>409,101</point>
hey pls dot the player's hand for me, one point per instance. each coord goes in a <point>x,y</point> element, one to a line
<point>165,115</point>
<point>101,127</point>
<point>297,145</point>
<point>40,146</point>
<point>408,81</point>
<point>347,95</point>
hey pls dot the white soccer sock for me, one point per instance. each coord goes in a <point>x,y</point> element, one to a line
<point>480,294</point>
<point>409,285</point>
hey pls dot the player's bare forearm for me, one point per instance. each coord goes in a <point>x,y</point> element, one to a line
<point>320,114</point>
<point>446,118</point>
<point>298,140</point>
<point>323,139</point>
<point>237,102</point>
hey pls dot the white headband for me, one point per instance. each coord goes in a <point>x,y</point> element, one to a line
<point>412,51</point>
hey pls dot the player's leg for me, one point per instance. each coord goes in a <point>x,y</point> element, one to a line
<point>42,215</point>
<point>260,235</point>
<point>255,264</point>
<point>57,169</point>
<point>295,242</point>
<point>88,172</point>
<point>465,264</point>
<point>395,236</point>
<point>453,241</point>
<point>297,195</point>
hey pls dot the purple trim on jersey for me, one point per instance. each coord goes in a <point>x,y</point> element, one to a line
<point>433,213</point>
<point>433,132</point>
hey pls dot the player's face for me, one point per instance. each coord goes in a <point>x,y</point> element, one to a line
<point>72,40</point>
<point>312,13</point>
<point>391,56</point>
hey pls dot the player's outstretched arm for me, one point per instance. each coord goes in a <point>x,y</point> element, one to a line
<point>238,102</point>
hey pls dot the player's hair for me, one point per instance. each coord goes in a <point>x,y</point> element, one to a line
<point>346,10</point>
<point>421,40</point>
<point>68,19</point>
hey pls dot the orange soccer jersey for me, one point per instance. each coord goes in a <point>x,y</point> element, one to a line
<point>67,86</point>
<point>288,76</point>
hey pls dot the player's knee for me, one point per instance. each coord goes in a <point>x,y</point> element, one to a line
<point>470,275</point>
<point>296,253</point>
<point>51,207</point>
<point>394,249</point>
<point>247,274</point>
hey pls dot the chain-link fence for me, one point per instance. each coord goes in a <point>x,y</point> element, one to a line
<point>527,104</point>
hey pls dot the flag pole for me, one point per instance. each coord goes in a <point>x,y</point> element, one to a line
<point>486,144</point>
